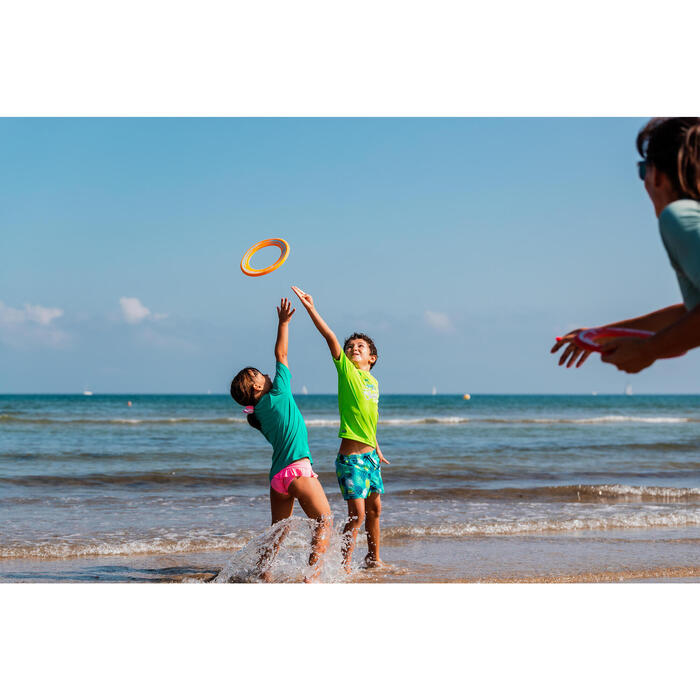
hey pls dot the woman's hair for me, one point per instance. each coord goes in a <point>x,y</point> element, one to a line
<point>672,144</point>
<point>242,392</point>
<point>368,340</point>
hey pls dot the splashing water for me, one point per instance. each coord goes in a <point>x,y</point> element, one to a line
<point>292,540</point>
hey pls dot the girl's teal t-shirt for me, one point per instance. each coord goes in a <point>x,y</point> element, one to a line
<point>679,225</point>
<point>282,423</point>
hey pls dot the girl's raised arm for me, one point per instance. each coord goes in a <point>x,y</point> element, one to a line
<point>284,313</point>
<point>324,330</point>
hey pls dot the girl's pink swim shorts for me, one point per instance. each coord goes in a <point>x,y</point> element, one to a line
<point>280,481</point>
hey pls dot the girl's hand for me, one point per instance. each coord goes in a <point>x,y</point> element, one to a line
<point>572,351</point>
<point>306,299</point>
<point>285,311</point>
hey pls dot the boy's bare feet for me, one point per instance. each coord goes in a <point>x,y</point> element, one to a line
<point>371,563</point>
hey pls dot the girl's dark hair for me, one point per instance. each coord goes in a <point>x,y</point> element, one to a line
<point>368,340</point>
<point>242,392</point>
<point>672,144</point>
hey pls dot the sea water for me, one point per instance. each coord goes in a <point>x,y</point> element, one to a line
<point>92,478</point>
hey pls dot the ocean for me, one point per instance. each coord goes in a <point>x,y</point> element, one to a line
<point>495,488</point>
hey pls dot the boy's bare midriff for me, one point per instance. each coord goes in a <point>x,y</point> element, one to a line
<point>354,447</point>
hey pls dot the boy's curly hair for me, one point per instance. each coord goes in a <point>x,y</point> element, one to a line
<point>242,392</point>
<point>368,340</point>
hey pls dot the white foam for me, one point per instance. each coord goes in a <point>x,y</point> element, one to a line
<point>153,545</point>
<point>655,491</point>
<point>613,419</point>
<point>676,518</point>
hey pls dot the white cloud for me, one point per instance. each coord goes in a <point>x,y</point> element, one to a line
<point>134,311</point>
<point>30,326</point>
<point>439,321</point>
<point>39,314</point>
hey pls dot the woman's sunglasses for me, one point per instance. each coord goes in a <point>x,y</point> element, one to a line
<point>642,168</point>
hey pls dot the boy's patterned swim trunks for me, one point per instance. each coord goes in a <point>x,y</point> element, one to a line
<point>359,475</point>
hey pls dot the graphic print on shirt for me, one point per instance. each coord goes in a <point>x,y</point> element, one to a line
<point>370,390</point>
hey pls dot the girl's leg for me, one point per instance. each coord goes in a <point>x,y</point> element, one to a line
<point>356,516</point>
<point>314,503</point>
<point>373,509</point>
<point>281,507</point>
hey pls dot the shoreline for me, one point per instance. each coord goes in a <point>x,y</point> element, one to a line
<point>662,556</point>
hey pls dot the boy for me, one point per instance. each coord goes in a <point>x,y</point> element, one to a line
<point>359,457</point>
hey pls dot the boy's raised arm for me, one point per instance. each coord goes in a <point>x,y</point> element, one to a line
<point>284,313</point>
<point>324,330</point>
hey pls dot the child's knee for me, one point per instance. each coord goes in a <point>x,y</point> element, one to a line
<point>373,508</point>
<point>356,518</point>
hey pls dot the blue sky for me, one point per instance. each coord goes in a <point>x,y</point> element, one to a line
<point>463,246</point>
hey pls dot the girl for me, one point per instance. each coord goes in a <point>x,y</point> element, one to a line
<point>670,170</point>
<point>270,407</point>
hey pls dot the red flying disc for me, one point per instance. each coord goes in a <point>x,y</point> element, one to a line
<point>593,338</point>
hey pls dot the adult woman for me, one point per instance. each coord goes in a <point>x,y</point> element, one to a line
<point>670,169</point>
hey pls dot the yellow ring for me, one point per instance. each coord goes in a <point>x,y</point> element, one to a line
<point>253,272</point>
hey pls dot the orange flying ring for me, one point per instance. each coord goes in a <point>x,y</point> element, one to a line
<point>253,272</point>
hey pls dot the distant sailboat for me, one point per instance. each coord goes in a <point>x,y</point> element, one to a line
<point>87,392</point>
<point>304,390</point>
<point>628,390</point>
<point>434,392</point>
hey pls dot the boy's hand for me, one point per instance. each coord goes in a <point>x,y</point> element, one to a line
<point>306,299</point>
<point>285,311</point>
<point>321,325</point>
<point>381,457</point>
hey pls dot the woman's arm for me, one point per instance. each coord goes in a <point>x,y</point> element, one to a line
<point>324,330</point>
<point>632,355</point>
<point>284,313</point>
<point>655,321</point>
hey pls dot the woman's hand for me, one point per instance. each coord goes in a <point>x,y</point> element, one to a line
<point>285,311</point>
<point>572,351</point>
<point>306,299</point>
<point>629,355</point>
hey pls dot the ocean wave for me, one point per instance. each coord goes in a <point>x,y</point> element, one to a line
<point>592,420</point>
<point>568,493</point>
<point>141,479</point>
<point>174,543</point>
<point>170,458</point>
<point>148,545</point>
<point>9,418</point>
<point>334,422</point>
<point>485,527</point>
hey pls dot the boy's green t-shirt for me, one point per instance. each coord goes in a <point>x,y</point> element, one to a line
<point>358,402</point>
<point>282,423</point>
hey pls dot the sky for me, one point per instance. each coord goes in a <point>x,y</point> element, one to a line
<point>463,246</point>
